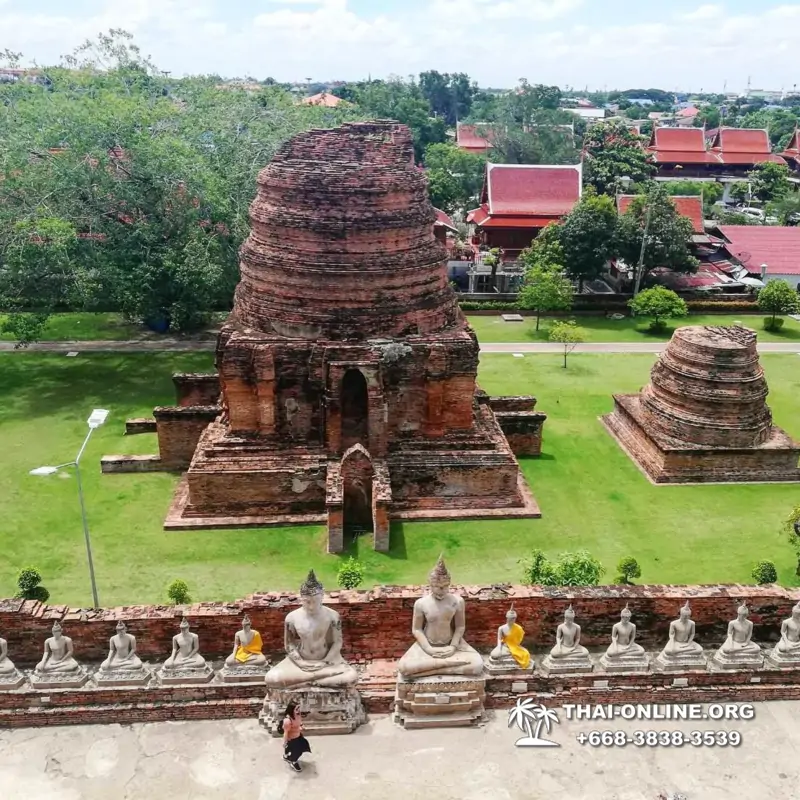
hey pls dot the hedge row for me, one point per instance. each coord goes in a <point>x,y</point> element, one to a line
<point>696,306</point>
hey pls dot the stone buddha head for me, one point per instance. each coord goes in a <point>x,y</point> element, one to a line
<point>121,628</point>
<point>686,611</point>
<point>184,625</point>
<point>511,615</point>
<point>57,630</point>
<point>439,580</point>
<point>569,615</point>
<point>796,612</point>
<point>743,611</point>
<point>311,593</point>
<point>246,624</point>
<point>625,614</point>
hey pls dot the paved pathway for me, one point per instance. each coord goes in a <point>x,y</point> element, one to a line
<point>176,345</point>
<point>237,760</point>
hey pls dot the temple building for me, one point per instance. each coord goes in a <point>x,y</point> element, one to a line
<point>474,138</point>
<point>346,389</point>
<point>703,418</point>
<point>519,200</point>
<point>791,154</point>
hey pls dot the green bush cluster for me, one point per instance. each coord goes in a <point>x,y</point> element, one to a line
<point>771,324</point>
<point>350,574</point>
<point>29,585</point>
<point>571,569</point>
<point>764,572</point>
<point>178,592</point>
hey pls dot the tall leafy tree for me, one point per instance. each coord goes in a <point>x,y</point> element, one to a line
<point>770,182</point>
<point>587,236</point>
<point>613,152</point>
<point>653,218</point>
<point>449,96</point>
<point>455,177</point>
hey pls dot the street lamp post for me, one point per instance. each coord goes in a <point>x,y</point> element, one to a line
<point>96,419</point>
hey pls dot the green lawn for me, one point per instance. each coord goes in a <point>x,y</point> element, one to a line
<point>599,329</point>
<point>84,327</point>
<point>591,495</point>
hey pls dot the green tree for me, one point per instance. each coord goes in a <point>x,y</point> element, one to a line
<point>778,297</point>
<point>587,236</point>
<point>455,177</point>
<point>546,288</point>
<point>449,96</point>
<point>537,570</point>
<point>29,585</point>
<point>178,592</point>
<point>628,569</point>
<point>770,181</point>
<point>654,218</point>
<point>659,303</point>
<point>571,569</point>
<point>567,334</point>
<point>612,151</point>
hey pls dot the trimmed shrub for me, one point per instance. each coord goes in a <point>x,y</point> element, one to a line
<point>350,574</point>
<point>487,305</point>
<point>28,584</point>
<point>764,572</point>
<point>771,324</point>
<point>721,306</point>
<point>178,592</point>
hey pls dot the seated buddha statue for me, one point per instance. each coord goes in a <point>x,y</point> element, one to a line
<point>624,654</point>
<point>786,653</point>
<point>438,626</point>
<point>247,646</point>
<point>681,649</point>
<point>569,655</point>
<point>509,651</point>
<point>185,651</point>
<point>58,654</point>
<point>121,652</point>
<point>738,650</point>
<point>6,664</point>
<point>313,642</point>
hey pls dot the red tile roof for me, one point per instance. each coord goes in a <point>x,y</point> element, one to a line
<point>444,221</point>
<point>689,206</point>
<point>323,99</point>
<point>469,138</point>
<point>680,146</point>
<point>688,112</point>
<point>743,146</point>
<point>777,247</point>
<point>531,190</point>
<point>792,150</point>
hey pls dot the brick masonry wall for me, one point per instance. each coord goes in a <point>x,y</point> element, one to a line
<point>179,430</point>
<point>377,623</point>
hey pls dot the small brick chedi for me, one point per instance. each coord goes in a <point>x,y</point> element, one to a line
<point>703,417</point>
<point>346,369</point>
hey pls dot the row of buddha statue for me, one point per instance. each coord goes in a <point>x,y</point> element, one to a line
<point>439,674</point>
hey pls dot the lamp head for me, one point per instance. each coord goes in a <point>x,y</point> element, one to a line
<point>97,417</point>
<point>43,471</point>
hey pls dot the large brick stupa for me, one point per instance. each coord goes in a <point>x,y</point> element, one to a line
<point>346,387</point>
<point>703,418</point>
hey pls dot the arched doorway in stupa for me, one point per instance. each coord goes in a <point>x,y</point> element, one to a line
<point>355,409</point>
<point>357,478</point>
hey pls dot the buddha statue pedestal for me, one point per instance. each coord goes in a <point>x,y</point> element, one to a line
<point>244,673</point>
<point>10,677</point>
<point>624,655</point>
<point>324,710</point>
<point>140,676</point>
<point>440,701</point>
<point>507,665</point>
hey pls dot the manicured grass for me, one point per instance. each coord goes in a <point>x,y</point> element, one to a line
<point>85,327</point>
<point>600,329</point>
<point>590,493</point>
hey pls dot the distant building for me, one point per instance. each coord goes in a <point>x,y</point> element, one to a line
<point>474,138</point>
<point>518,201</point>
<point>589,114</point>
<point>792,152</point>
<point>323,99</point>
<point>686,116</point>
<point>689,206</point>
<point>746,147</point>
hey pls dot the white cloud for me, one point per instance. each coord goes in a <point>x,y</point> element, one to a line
<point>496,41</point>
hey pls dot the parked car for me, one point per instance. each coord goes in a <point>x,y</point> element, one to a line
<point>749,211</point>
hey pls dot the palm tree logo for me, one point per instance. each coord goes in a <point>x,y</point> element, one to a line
<point>524,714</point>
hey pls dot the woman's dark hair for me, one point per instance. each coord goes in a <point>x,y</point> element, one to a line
<point>290,709</point>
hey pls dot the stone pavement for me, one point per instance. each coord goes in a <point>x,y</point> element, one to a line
<point>237,760</point>
<point>174,344</point>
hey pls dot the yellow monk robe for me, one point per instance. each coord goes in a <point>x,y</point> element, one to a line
<point>253,649</point>
<point>513,642</point>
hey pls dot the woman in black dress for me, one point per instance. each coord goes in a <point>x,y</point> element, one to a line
<point>294,743</point>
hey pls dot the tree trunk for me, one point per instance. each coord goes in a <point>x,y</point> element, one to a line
<point>565,356</point>
<point>538,314</point>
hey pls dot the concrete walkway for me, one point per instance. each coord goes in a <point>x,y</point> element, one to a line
<point>237,760</point>
<point>176,345</point>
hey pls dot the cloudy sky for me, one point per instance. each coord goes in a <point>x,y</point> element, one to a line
<point>599,43</point>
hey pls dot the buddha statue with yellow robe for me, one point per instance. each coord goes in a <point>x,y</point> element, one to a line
<point>509,655</point>
<point>246,662</point>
